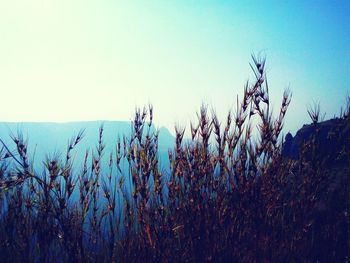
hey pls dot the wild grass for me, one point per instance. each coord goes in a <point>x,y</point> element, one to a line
<point>228,195</point>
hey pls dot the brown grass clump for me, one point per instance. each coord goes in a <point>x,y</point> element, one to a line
<point>229,195</point>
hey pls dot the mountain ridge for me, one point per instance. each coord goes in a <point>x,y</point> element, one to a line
<point>49,138</point>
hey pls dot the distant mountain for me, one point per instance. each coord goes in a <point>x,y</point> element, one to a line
<point>48,138</point>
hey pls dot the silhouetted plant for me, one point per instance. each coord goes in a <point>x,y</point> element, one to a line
<point>229,194</point>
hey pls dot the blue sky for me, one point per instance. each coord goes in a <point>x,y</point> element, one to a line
<point>85,60</point>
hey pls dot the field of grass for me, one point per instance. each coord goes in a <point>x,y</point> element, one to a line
<point>229,194</point>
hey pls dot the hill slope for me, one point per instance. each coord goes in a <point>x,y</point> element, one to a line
<point>48,138</point>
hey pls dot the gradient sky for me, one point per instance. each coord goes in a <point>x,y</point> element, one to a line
<point>69,60</point>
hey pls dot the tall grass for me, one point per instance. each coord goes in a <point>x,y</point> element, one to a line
<point>228,195</point>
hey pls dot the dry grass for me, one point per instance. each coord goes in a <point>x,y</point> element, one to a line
<point>228,195</point>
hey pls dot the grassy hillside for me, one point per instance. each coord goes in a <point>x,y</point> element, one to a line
<point>226,197</point>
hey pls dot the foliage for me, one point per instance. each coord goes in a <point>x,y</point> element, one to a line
<point>229,195</point>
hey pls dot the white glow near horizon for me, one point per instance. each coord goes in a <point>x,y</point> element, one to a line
<point>89,60</point>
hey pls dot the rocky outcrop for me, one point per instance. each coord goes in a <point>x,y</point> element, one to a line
<point>332,137</point>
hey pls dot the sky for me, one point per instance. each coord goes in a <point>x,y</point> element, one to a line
<point>69,60</point>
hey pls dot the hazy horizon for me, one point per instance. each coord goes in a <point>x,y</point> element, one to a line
<point>63,61</point>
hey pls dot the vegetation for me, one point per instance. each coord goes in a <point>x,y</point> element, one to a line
<point>229,195</point>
